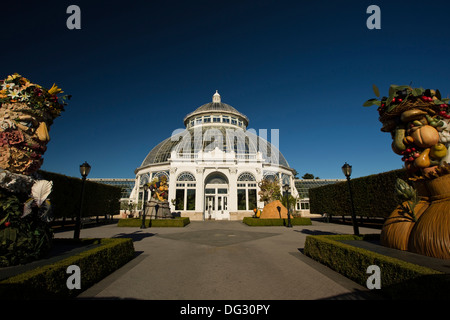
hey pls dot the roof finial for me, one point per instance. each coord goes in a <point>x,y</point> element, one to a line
<point>216,97</point>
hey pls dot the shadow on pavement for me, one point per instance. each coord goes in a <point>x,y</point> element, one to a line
<point>135,236</point>
<point>314,232</point>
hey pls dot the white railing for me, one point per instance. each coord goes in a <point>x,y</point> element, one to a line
<point>216,155</point>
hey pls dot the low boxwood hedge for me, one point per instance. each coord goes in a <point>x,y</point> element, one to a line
<point>297,221</point>
<point>136,222</point>
<point>50,281</point>
<point>399,279</point>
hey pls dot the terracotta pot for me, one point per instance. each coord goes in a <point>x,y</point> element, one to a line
<point>431,233</point>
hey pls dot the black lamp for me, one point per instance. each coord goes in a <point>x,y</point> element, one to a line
<point>347,170</point>
<point>85,168</point>
<point>286,190</point>
<point>144,202</point>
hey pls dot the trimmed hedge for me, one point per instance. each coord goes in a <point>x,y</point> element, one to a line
<point>373,196</point>
<point>136,222</point>
<point>49,281</point>
<point>399,279</point>
<point>99,199</point>
<point>297,221</point>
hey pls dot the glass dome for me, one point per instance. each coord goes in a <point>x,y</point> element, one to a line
<point>215,125</point>
<point>215,112</point>
<point>225,139</point>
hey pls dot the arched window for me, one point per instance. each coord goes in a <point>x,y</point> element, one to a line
<point>246,176</point>
<point>160,174</point>
<point>246,191</point>
<point>145,178</point>
<point>186,176</point>
<point>285,179</point>
<point>185,191</point>
<point>270,175</point>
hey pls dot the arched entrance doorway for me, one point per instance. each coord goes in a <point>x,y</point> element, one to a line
<point>216,197</point>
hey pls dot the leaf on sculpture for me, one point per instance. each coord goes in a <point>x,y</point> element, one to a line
<point>375,90</point>
<point>40,191</point>
<point>27,207</point>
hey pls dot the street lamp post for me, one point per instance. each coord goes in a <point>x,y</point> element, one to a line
<point>144,200</point>
<point>85,168</point>
<point>286,190</point>
<point>347,170</point>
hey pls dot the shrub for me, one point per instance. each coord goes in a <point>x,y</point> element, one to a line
<point>49,281</point>
<point>399,279</point>
<point>136,222</point>
<point>297,221</point>
<point>373,196</point>
<point>99,199</point>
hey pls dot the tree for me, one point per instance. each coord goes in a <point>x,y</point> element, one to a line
<point>292,201</point>
<point>308,176</point>
<point>270,190</point>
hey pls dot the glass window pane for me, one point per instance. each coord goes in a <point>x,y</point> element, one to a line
<point>241,199</point>
<point>251,199</point>
<point>190,204</point>
<point>179,199</point>
<point>222,191</point>
<point>210,191</point>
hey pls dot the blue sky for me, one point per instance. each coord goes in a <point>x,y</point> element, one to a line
<point>136,68</point>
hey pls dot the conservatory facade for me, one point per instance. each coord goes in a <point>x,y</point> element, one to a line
<point>214,165</point>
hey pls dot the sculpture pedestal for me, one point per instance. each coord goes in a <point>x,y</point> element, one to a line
<point>158,209</point>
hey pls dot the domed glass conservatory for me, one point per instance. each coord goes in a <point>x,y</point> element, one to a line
<point>214,165</point>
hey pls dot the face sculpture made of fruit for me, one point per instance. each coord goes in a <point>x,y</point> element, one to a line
<point>160,188</point>
<point>418,120</point>
<point>27,111</point>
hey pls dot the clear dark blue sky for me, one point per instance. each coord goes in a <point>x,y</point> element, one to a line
<point>136,68</point>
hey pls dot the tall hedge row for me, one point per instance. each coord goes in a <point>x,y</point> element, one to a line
<point>373,196</point>
<point>99,199</point>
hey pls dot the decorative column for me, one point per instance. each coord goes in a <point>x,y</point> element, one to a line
<point>232,192</point>
<point>200,191</point>
<point>172,187</point>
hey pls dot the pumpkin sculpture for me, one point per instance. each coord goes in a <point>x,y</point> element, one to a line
<point>419,122</point>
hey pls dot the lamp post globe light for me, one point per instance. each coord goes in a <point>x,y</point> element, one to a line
<point>347,170</point>
<point>286,190</point>
<point>144,200</point>
<point>85,168</point>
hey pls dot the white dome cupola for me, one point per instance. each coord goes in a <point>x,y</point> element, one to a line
<point>216,113</point>
<point>216,97</point>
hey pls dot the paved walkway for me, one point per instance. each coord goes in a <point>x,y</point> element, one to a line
<point>222,260</point>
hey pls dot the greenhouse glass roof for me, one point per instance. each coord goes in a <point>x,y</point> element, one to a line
<point>208,138</point>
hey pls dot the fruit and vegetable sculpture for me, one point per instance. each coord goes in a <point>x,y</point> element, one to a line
<point>158,205</point>
<point>419,122</point>
<point>27,111</point>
